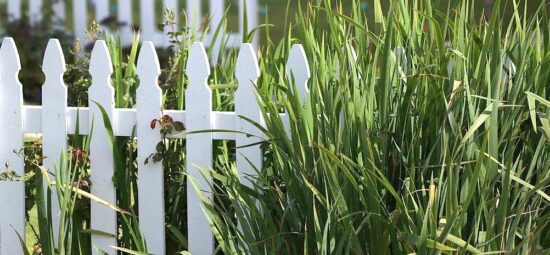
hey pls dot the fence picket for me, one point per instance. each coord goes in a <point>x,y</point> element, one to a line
<point>198,106</point>
<point>12,193</point>
<point>101,9</point>
<point>147,16</point>
<point>101,152</point>
<point>54,117</point>
<point>247,73</point>
<point>298,71</point>
<point>14,10</point>
<point>217,10</point>
<point>249,158</point>
<point>161,36</point>
<point>35,11</point>
<point>193,10</point>
<point>252,17</point>
<point>58,8</point>
<point>125,19</point>
<point>150,175</point>
<point>80,20</point>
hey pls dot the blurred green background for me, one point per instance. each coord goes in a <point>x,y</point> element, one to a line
<point>275,12</point>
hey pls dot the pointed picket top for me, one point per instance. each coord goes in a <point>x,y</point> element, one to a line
<point>148,59</point>
<point>247,69</point>
<point>198,67</point>
<point>148,67</point>
<point>101,91</point>
<point>10,57</point>
<point>53,65</point>
<point>100,61</point>
<point>298,69</point>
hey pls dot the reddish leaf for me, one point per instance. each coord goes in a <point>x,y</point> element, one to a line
<point>154,123</point>
<point>167,119</point>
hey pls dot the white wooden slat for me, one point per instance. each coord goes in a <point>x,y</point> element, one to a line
<point>171,4</point>
<point>54,117</point>
<point>101,153</point>
<point>194,17</point>
<point>509,68</point>
<point>12,193</point>
<point>216,13</point>
<point>298,71</point>
<point>126,121</point>
<point>149,31</point>
<point>125,18</point>
<point>150,175</point>
<point>58,8</point>
<point>32,119</point>
<point>246,105</point>
<point>81,114</point>
<point>249,158</point>
<point>14,10</point>
<point>80,21</point>
<point>101,9</point>
<point>162,38</point>
<point>338,64</point>
<point>251,17</point>
<point>199,147</point>
<point>234,40</point>
<point>148,26</point>
<point>225,121</point>
<point>147,19</point>
<point>125,118</point>
<point>35,11</point>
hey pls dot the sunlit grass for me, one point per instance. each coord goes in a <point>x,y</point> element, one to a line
<point>428,142</point>
<point>427,132</point>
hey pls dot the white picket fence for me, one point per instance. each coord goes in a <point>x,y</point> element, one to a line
<point>54,120</point>
<point>147,14</point>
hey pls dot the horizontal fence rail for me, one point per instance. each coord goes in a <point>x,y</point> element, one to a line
<point>124,11</point>
<point>54,120</point>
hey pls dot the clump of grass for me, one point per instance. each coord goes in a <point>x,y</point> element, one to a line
<point>433,140</point>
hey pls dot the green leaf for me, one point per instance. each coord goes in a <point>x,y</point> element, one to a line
<point>477,123</point>
<point>178,126</point>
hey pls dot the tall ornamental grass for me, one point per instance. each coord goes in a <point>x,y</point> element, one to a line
<point>433,139</point>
